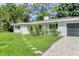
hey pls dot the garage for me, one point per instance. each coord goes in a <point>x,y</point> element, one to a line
<point>73,29</point>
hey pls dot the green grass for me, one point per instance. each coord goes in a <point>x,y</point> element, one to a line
<point>12,44</point>
<point>42,42</point>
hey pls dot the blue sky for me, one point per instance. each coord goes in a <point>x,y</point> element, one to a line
<point>33,17</point>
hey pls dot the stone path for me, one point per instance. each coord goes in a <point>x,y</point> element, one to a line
<point>67,46</point>
<point>32,47</point>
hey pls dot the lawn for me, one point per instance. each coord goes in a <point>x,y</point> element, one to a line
<point>12,44</point>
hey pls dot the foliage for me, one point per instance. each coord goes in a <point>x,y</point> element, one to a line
<point>41,9</point>
<point>6,25</point>
<point>68,9</point>
<point>22,13</point>
<point>11,13</point>
<point>12,44</point>
<point>42,42</point>
<point>35,30</point>
<point>53,30</point>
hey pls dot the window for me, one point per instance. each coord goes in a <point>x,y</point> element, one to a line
<point>18,26</point>
<point>53,26</point>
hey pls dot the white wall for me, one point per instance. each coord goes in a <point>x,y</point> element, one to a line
<point>62,27</point>
<point>45,26</point>
<point>46,18</point>
<point>24,29</point>
<point>16,30</point>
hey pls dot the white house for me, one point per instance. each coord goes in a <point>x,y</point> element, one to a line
<point>67,26</point>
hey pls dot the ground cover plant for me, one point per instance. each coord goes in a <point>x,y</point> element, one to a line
<point>12,44</point>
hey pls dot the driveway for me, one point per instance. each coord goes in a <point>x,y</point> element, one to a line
<point>67,46</point>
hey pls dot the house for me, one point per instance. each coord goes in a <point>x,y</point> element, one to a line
<point>67,26</point>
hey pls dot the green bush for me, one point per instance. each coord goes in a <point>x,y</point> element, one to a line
<point>54,32</point>
<point>5,26</point>
<point>35,30</point>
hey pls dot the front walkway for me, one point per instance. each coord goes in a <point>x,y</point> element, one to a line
<point>66,46</point>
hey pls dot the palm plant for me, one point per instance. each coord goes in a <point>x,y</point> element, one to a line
<point>11,13</point>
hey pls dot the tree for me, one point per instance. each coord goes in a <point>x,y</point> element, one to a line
<point>40,10</point>
<point>22,12</point>
<point>54,11</point>
<point>35,30</point>
<point>5,15</point>
<point>68,9</point>
<point>11,13</point>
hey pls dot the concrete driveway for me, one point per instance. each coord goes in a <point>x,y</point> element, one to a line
<point>67,46</point>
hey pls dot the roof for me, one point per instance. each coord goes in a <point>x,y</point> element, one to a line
<point>68,19</point>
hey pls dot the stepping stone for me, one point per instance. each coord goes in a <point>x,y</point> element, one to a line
<point>30,45</point>
<point>33,48</point>
<point>38,52</point>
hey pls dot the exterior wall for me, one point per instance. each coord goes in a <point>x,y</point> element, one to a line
<point>16,30</point>
<point>24,29</point>
<point>45,27</point>
<point>46,18</point>
<point>62,28</point>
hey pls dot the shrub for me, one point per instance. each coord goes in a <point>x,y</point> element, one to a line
<point>35,30</point>
<point>54,32</point>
